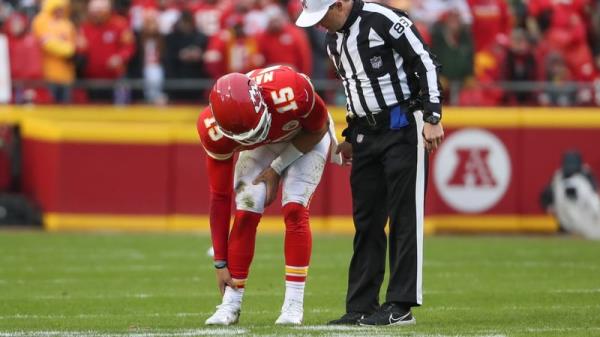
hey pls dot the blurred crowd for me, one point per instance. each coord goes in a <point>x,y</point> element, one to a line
<point>494,52</point>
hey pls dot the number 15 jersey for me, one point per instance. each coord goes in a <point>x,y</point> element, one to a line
<point>291,101</point>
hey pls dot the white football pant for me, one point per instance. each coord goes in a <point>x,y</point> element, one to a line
<point>299,180</point>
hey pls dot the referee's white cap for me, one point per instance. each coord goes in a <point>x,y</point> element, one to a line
<point>313,11</point>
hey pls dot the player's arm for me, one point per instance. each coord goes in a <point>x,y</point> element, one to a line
<point>220,175</point>
<point>314,126</point>
<point>219,168</point>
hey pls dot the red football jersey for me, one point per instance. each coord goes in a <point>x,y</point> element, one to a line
<point>292,103</point>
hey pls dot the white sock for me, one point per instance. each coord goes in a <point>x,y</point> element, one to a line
<point>233,296</point>
<point>294,291</point>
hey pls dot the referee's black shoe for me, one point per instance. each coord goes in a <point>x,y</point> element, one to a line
<point>349,318</point>
<point>389,313</point>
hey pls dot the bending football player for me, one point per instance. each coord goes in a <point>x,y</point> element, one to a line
<point>279,126</point>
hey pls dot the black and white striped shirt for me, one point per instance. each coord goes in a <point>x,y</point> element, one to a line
<point>383,61</point>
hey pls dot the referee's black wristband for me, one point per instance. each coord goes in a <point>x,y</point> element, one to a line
<point>220,264</point>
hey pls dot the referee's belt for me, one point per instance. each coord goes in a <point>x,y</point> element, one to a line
<point>377,121</point>
<point>373,121</point>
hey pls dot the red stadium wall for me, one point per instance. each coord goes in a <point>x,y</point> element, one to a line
<point>142,168</point>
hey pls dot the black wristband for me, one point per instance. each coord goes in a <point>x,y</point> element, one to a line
<point>432,117</point>
<point>347,132</point>
<point>220,264</point>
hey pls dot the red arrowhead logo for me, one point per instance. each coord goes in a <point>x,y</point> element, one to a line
<point>472,169</point>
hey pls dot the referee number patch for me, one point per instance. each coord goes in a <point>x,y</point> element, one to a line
<point>399,26</point>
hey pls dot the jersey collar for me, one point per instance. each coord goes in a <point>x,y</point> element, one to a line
<point>354,12</point>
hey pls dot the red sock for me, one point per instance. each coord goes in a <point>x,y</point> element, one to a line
<point>241,245</point>
<point>298,242</point>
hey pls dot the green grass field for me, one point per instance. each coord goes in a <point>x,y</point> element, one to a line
<point>162,285</point>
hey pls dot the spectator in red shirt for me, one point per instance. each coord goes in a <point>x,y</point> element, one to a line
<point>595,32</point>
<point>209,15</point>
<point>107,44</point>
<point>232,50</point>
<point>560,26</point>
<point>23,49</point>
<point>490,18</point>
<point>284,43</point>
<point>25,55</point>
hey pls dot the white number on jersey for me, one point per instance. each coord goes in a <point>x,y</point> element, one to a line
<point>285,95</point>
<point>213,131</point>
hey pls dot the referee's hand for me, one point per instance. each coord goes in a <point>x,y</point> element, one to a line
<point>433,134</point>
<point>345,149</point>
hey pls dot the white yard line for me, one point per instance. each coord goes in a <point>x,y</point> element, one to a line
<point>94,316</point>
<point>182,333</point>
<point>363,332</point>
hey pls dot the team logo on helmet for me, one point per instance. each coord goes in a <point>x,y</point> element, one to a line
<point>256,98</point>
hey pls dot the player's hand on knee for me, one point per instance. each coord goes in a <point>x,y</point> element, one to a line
<point>271,180</point>
<point>224,279</point>
<point>345,149</point>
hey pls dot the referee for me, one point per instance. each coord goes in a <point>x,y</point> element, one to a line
<point>394,112</point>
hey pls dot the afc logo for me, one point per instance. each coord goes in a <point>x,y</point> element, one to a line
<point>472,170</point>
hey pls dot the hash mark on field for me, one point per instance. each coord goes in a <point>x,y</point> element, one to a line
<point>321,310</point>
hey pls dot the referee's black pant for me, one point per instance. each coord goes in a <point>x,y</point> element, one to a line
<point>388,181</point>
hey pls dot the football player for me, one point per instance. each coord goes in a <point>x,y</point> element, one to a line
<point>279,126</point>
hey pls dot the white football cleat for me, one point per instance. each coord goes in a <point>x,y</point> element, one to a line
<point>291,313</point>
<point>228,312</point>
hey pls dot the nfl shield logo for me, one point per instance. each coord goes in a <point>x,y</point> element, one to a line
<point>376,62</point>
<point>359,138</point>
